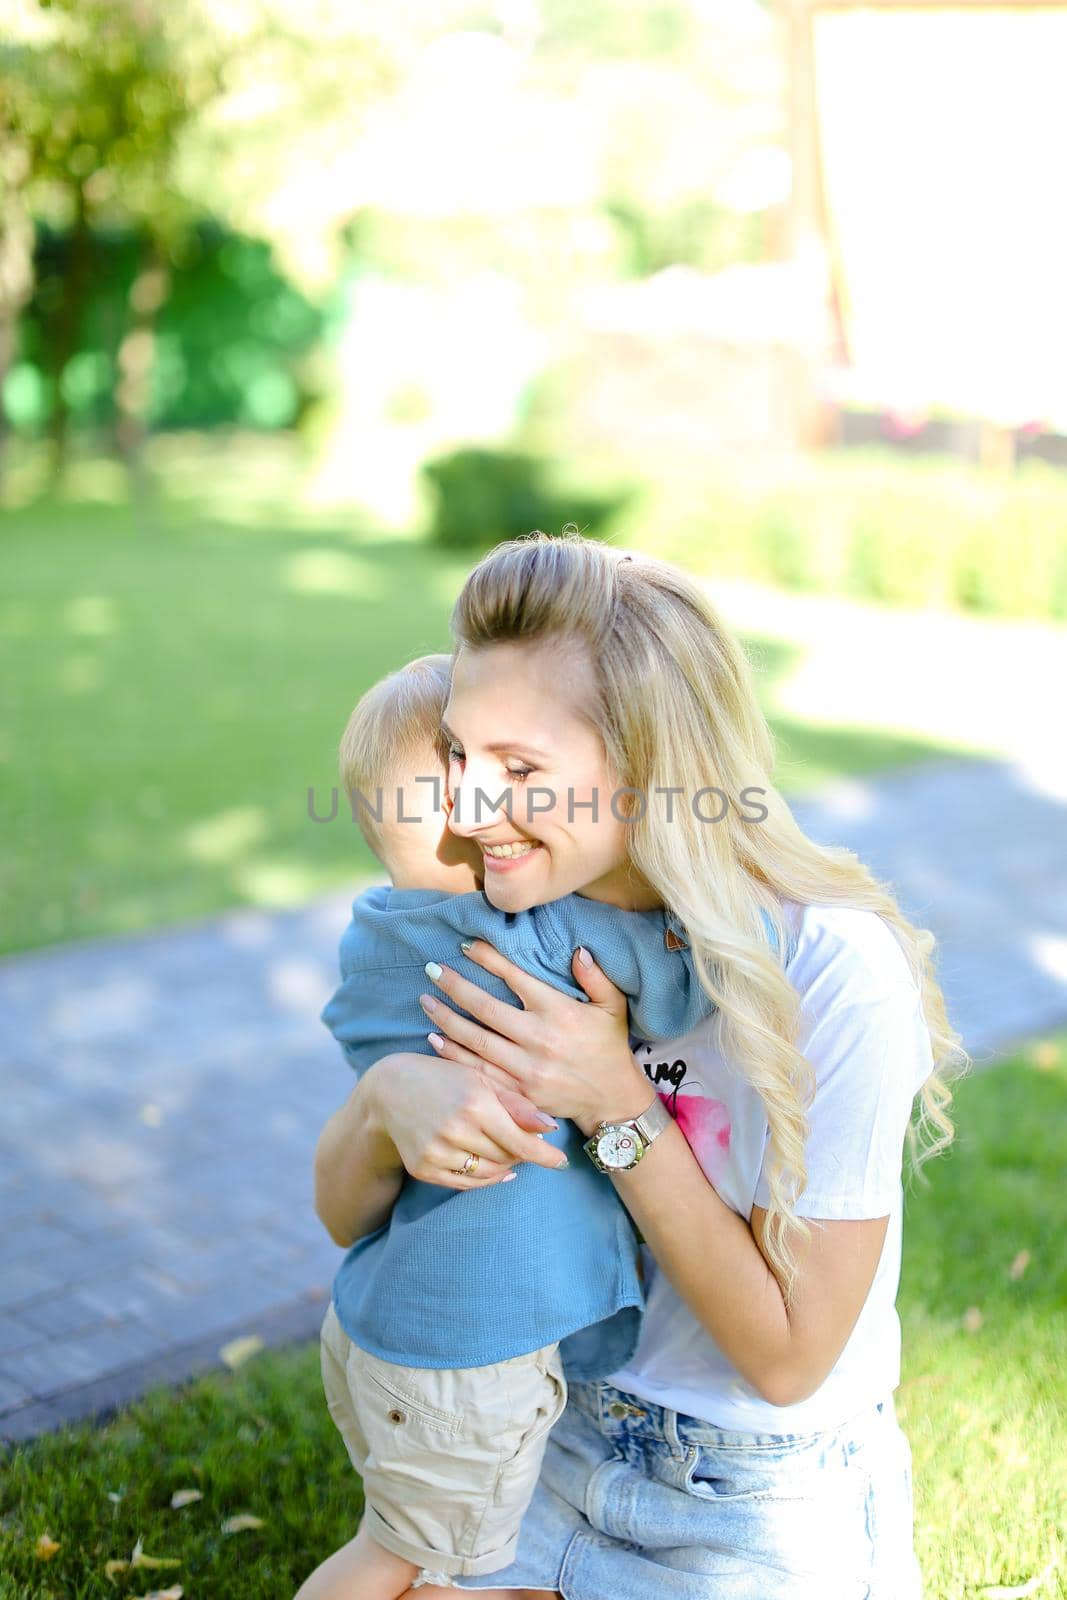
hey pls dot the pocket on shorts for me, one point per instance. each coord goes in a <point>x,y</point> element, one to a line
<point>760,1472</point>
<point>401,1391</point>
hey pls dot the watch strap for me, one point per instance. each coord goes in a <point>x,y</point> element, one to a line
<point>653,1121</point>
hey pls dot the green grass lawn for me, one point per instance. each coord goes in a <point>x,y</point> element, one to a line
<point>983,1294</point>
<point>171,687</point>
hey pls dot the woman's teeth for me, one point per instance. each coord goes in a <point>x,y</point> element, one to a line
<point>505,851</point>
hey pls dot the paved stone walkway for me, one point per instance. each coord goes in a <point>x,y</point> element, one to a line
<point>162,1095</point>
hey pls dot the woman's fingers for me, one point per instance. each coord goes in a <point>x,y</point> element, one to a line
<point>597,985</point>
<point>508,1020</point>
<point>521,1145</point>
<point>523,1111</point>
<point>519,981</point>
<point>449,1050</point>
<point>480,1038</point>
<point>486,1172</point>
<point>496,1077</point>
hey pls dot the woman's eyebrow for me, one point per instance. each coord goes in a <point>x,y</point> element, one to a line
<point>500,745</point>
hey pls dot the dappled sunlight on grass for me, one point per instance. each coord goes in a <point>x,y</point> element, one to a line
<point>91,615</point>
<point>212,664</point>
<point>274,882</point>
<point>335,572</point>
<point>230,834</point>
<point>77,675</point>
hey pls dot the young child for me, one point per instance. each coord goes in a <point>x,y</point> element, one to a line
<point>452,1329</point>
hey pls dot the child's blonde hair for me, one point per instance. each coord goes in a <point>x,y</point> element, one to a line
<point>399,718</point>
<point>675,704</point>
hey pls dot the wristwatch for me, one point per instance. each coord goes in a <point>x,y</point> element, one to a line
<point>618,1146</point>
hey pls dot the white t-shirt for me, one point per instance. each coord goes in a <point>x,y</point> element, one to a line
<point>862,1029</point>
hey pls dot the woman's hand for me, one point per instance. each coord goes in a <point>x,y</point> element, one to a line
<point>566,1057</point>
<point>437,1118</point>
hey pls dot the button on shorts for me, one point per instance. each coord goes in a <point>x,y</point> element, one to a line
<point>449,1458</point>
<point>639,1502</point>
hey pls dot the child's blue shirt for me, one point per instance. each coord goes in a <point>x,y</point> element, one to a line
<point>466,1278</point>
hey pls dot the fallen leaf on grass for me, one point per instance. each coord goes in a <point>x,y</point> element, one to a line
<point>239,1523</point>
<point>998,1592</point>
<point>972,1319</point>
<point>45,1548</point>
<point>139,1559</point>
<point>175,1592</point>
<point>239,1350</point>
<point>184,1497</point>
<point>113,1567</point>
<point>1019,1265</point>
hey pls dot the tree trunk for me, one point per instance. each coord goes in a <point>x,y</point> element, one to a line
<point>16,264</point>
<point>136,361</point>
<point>77,285</point>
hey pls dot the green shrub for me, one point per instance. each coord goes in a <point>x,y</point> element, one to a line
<point>482,496</point>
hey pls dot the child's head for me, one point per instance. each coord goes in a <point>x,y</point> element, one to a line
<point>393,740</point>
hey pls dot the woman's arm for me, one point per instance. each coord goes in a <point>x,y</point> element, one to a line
<point>715,1260</point>
<point>358,1171</point>
<point>406,1114</point>
<point>574,1059</point>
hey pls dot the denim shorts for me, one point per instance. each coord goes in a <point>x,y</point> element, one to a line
<point>638,1502</point>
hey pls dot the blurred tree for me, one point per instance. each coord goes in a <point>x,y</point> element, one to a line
<point>95,95</point>
<point>234,341</point>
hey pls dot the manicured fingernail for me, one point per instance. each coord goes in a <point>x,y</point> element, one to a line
<point>561,1164</point>
<point>583,956</point>
<point>546,1121</point>
<point>509,1177</point>
<point>432,970</point>
<point>436,1040</point>
<point>427,1002</point>
<point>465,946</point>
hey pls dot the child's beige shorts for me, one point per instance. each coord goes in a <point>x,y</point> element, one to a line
<point>448,1458</point>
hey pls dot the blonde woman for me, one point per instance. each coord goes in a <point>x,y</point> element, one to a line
<point>605,739</point>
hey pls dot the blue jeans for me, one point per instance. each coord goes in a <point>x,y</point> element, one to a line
<point>638,1502</point>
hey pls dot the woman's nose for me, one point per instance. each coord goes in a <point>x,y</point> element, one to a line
<point>473,809</point>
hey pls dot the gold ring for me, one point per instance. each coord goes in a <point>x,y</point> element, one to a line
<point>470,1166</point>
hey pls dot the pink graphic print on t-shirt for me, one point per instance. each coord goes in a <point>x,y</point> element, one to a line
<point>706,1125</point>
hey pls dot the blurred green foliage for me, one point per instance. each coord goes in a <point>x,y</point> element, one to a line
<point>909,531</point>
<point>482,496</point>
<point>231,336</point>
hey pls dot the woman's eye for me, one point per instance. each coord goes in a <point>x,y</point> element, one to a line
<point>519,772</point>
<point>454,754</point>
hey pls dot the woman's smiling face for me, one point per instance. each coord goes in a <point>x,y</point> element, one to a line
<point>515,720</point>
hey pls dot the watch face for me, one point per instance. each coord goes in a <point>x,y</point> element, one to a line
<point>617,1148</point>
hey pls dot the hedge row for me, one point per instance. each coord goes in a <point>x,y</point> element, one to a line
<point>877,524</point>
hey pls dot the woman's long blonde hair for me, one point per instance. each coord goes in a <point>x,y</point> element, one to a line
<point>676,707</point>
